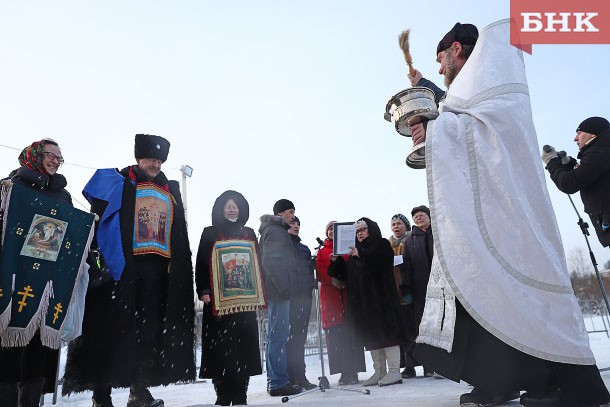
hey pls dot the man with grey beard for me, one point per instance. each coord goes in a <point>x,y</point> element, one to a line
<point>452,53</point>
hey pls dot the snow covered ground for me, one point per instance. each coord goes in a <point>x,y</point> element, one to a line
<point>427,392</point>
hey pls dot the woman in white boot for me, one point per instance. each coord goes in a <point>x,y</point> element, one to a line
<point>373,303</point>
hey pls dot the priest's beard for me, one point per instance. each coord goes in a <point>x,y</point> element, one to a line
<point>451,69</point>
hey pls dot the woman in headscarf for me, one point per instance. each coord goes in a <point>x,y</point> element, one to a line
<point>229,342</point>
<point>373,305</point>
<point>345,356</point>
<point>30,370</point>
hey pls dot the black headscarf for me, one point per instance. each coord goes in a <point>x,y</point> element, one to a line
<point>218,216</point>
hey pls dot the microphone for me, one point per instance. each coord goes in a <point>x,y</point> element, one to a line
<point>320,241</point>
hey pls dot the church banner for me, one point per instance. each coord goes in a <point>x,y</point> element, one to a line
<point>236,277</point>
<point>44,246</point>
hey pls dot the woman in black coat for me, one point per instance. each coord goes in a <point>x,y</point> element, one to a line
<point>373,304</point>
<point>230,351</point>
<point>33,367</point>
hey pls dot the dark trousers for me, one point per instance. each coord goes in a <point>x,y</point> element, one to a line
<point>407,315</point>
<point>150,298</point>
<point>25,363</point>
<point>300,311</point>
<point>231,390</point>
<point>344,355</point>
<point>151,288</point>
<point>487,363</point>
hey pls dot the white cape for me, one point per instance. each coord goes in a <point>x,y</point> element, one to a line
<point>496,241</point>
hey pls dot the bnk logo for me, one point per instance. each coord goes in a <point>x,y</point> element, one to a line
<point>559,22</point>
<point>563,22</point>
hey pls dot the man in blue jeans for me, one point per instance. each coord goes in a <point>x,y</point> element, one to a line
<point>279,263</point>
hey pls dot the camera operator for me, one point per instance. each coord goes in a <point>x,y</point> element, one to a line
<point>591,176</point>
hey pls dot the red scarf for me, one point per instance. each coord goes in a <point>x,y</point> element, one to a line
<point>31,157</point>
<point>134,177</point>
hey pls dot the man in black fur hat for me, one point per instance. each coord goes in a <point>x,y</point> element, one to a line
<point>138,327</point>
<point>591,176</point>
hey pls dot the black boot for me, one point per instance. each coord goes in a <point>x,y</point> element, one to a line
<point>8,394</point>
<point>222,386</point>
<point>139,396</point>
<point>550,399</point>
<point>31,391</point>
<point>479,398</point>
<point>408,373</point>
<point>101,395</point>
<point>240,391</point>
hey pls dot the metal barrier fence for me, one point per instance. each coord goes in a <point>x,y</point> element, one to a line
<point>594,310</point>
<point>311,343</point>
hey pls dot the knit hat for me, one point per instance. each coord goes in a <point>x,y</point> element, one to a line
<point>594,125</point>
<point>420,208</point>
<point>282,205</point>
<point>297,220</point>
<point>465,34</point>
<point>403,219</point>
<point>150,146</point>
<point>328,226</point>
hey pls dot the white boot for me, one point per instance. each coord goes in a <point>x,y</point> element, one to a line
<point>392,354</point>
<point>378,356</point>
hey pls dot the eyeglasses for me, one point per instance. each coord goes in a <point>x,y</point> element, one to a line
<point>52,157</point>
<point>361,230</point>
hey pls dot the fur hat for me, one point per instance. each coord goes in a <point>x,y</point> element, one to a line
<point>465,34</point>
<point>420,208</point>
<point>282,205</point>
<point>403,219</point>
<point>150,146</point>
<point>361,224</point>
<point>594,125</point>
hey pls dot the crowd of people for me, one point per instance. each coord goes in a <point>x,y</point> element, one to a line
<point>456,293</point>
<point>139,310</point>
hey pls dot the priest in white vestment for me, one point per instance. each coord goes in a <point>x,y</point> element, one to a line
<point>500,312</point>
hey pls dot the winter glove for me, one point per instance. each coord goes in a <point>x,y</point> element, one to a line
<point>548,153</point>
<point>565,158</point>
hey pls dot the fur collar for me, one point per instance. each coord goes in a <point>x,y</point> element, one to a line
<point>267,220</point>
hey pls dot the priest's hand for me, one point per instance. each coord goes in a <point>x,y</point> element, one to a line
<point>415,78</point>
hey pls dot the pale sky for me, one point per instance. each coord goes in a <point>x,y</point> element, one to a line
<point>272,99</point>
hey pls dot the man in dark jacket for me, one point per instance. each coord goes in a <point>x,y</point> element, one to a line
<point>138,328</point>
<point>279,262</point>
<point>300,310</point>
<point>417,260</point>
<point>591,176</point>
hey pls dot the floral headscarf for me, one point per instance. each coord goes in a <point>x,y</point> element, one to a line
<point>31,157</point>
